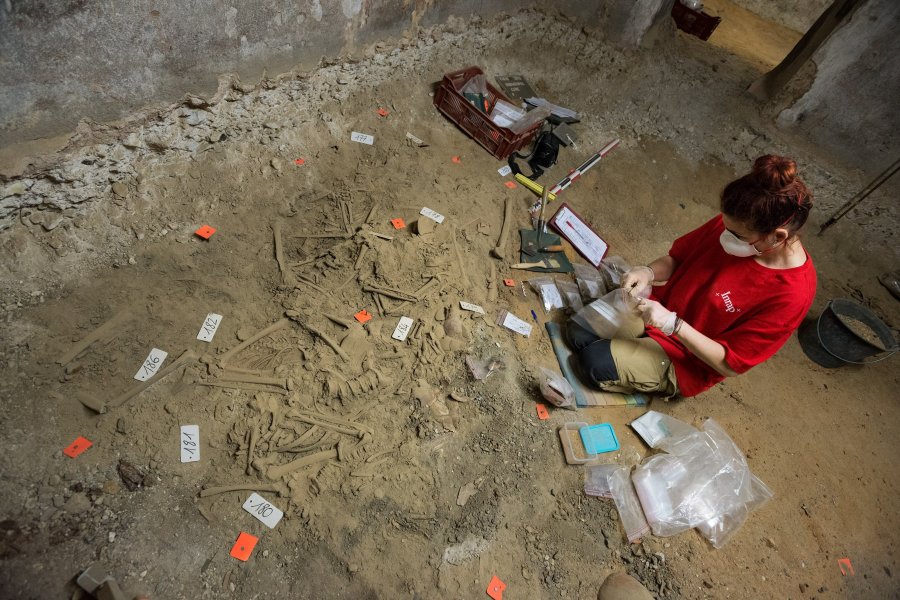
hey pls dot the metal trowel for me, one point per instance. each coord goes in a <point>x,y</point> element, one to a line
<point>531,244</point>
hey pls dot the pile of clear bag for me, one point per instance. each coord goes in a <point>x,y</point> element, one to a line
<point>557,294</point>
<point>701,481</point>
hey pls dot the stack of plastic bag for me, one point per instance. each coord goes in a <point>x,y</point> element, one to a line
<point>701,481</point>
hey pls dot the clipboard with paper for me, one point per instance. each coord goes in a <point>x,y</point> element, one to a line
<point>577,232</point>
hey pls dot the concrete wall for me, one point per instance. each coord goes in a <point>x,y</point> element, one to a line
<point>63,60</point>
<point>852,103</point>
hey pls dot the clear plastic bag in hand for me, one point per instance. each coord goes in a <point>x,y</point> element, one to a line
<point>614,269</point>
<point>606,316</point>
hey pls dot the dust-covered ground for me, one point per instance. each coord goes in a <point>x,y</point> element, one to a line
<point>413,480</point>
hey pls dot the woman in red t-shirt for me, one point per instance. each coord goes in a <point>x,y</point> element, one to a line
<point>734,291</point>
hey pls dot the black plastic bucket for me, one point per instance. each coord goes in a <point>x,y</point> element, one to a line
<point>831,341</point>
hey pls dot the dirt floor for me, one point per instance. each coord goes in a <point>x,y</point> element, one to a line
<point>422,482</point>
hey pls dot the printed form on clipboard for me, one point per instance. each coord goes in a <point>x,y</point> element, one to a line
<point>579,234</point>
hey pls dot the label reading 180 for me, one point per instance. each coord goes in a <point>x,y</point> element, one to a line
<point>263,510</point>
<point>209,327</point>
<point>151,365</point>
<point>190,443</point>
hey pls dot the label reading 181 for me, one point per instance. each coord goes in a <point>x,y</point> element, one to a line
<point>263,510</point>
<point>209,327</point>
<point>190,443</point>
<point>151,366</point>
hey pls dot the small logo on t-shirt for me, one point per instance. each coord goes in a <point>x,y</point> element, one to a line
<point>729,304</point>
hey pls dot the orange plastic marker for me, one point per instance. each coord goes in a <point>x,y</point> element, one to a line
<point>509,282</point>
<point>495,588</point>
<point>299,161</point>
<point>845,562</point>
<point>542,413</point>
<point>363,316</point>
<point>77,447</point>
<point>456,159</point>
<point>382,112</point>
<point>511,185</point>
<point>205,232</point>
<point>398,223</point>
<point>244,546</point>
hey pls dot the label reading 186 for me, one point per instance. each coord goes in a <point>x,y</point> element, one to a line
<point>190,443</point>
<point>209,327</point>
<point>263,510</point>
<point>150,367</point>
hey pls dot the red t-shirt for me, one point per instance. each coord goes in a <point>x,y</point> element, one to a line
<point>748,308</point>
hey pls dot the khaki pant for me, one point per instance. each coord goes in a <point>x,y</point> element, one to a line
<point>642,364</point>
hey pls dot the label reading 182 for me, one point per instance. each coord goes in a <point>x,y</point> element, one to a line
<point>151,366</point>
<point>190,443</point>
<point>263,510</point>
<point>209,327</point>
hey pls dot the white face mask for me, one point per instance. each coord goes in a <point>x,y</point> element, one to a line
<point>736,247</point>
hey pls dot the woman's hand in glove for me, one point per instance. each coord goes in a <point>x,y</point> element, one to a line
<point>637,280</point>
<point>657,315</point>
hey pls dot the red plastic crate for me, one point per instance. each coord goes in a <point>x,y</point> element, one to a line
<point>694,22</point>
<point>499,141</point>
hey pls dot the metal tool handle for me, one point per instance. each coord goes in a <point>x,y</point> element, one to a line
<point>540,223</point>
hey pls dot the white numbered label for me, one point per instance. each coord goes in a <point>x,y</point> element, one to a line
<point>153,363</point>
<point>209,327</point>
<point>516,324</point>
<point>263,510</point>
<point>362,138</point>
<point>504,171</point>
<point>432,214</point>
<point>471,307</point>
<point>402,329</point>
<point>190,443</point>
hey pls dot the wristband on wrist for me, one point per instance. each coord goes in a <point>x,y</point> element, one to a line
<point>678,323</point>
<point>652,273</point>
